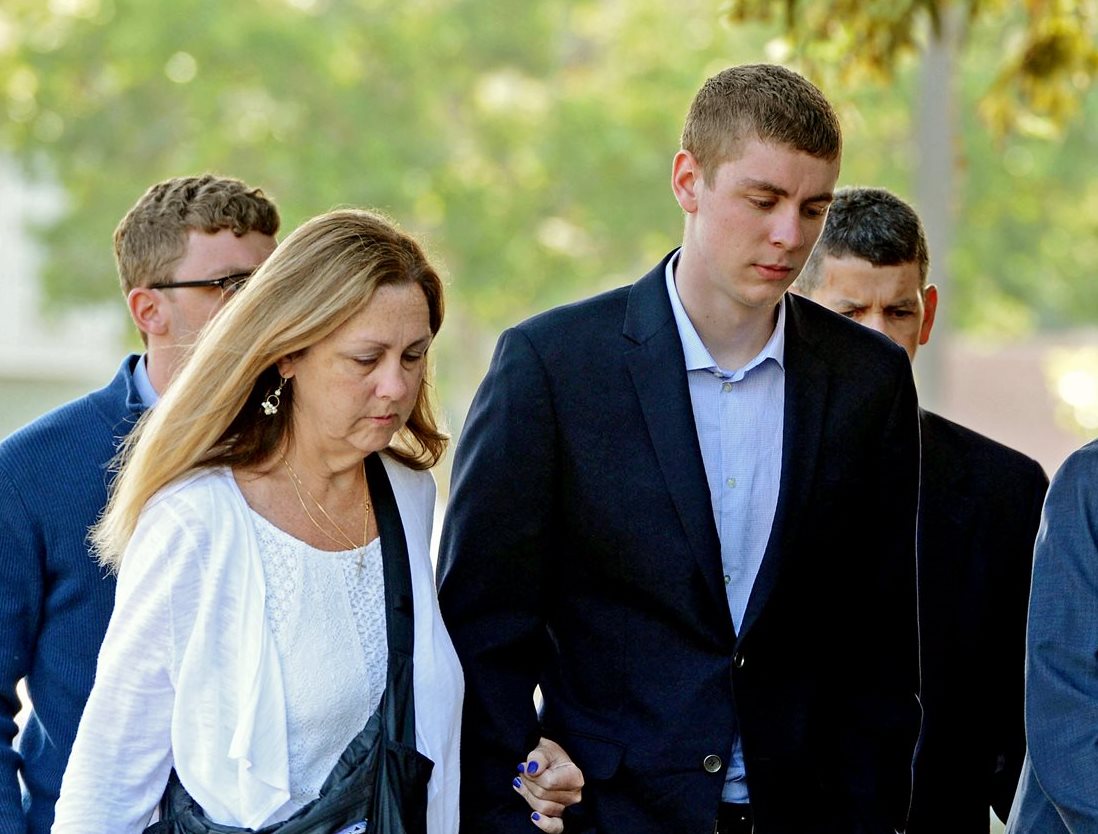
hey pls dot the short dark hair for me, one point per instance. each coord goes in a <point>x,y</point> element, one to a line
<point>763,101</point>
<point>872,224</point>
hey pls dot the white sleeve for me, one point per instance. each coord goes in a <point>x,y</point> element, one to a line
<point>122,754</point>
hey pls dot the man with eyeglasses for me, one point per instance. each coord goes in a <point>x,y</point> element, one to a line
<point>184,248</point>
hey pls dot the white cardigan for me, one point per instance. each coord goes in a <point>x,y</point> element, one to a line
<point>189,677</point>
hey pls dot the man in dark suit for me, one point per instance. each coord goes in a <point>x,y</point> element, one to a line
<point>686,510</point>
<point>978,515</point>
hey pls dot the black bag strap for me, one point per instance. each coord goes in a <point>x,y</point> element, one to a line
<point>179,812</point>
<point>398,702</point>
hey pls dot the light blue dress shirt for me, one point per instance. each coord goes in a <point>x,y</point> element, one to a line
<point>739,415</point>
<point>143,384</point>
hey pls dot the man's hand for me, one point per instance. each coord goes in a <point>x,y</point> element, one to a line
<point>549,781</point>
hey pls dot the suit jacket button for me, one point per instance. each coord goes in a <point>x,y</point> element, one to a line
<point>712,763</point>
<point>737,660</point>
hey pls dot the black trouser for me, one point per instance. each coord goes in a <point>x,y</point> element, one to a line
<point>733,818</point>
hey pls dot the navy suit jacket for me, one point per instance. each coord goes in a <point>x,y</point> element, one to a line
<point>978,515</point>
<point>1058,791</point>
<point>580,554</point>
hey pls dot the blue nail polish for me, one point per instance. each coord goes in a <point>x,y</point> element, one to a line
<point>532,767</point>
<point>522,767</point>
<point>535,816</point>
<point>517,782</point>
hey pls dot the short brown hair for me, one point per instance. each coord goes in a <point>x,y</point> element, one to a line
<point>765,101</point>
<point>153,234</point>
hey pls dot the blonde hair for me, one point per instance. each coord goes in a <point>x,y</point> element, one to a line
<point>318,278</point>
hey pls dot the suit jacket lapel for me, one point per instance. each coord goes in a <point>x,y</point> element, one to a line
<point>655,360</point>
<point>805,400</point>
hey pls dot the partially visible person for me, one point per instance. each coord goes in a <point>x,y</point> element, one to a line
<point>980,503</point>
<point>1057,792</point>
<point>250,640</point>
<point>550,782</point>
<point>183,249</point>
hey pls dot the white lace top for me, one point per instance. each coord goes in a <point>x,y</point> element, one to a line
<point>217,614</point>
<point>323,602</point>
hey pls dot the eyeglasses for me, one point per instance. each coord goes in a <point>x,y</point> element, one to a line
<point>229,285</point>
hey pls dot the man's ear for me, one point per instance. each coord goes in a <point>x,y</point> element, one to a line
<point>930,307</point>
<point>148,311</point>
<point>686,176</point>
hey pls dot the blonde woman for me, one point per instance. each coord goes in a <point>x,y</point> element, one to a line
<point>248,645</point>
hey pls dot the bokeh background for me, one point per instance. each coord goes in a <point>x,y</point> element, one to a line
<point>528,143</point>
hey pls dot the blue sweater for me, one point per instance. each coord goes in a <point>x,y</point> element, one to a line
<point>55,601</point>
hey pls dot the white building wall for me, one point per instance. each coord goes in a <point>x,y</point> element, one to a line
<point>44,360</point>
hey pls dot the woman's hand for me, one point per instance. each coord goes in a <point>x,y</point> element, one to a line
<point>549,781</point>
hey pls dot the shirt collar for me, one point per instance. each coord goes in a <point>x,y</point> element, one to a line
<point>143,384</point>
<point>698,357</point>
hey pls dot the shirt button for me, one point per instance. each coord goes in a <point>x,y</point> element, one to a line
<point>727,579</point>
<point>731,483</point>
<point>712,763</point>
<point>726,387</point>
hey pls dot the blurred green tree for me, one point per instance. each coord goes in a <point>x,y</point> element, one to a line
<point>1046,57</point>
<point>1033,62</point>
<point>528,143</point>
<point>525,142</point>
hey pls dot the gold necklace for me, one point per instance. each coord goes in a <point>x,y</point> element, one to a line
<point>298,486</point>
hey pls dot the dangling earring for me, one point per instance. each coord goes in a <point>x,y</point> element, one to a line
<point>273,399</point>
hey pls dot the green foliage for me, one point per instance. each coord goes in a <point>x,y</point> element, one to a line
<point>528,143</point>
<point>1047,57</point>
<point>850,39</point>
<point>1025,235</point>
<point>1027,232</point>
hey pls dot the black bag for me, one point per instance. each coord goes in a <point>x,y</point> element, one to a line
<point>379,784</point>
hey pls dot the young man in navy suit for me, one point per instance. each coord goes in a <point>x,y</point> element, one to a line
<point>978,515</point>
<point>685,509</point>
